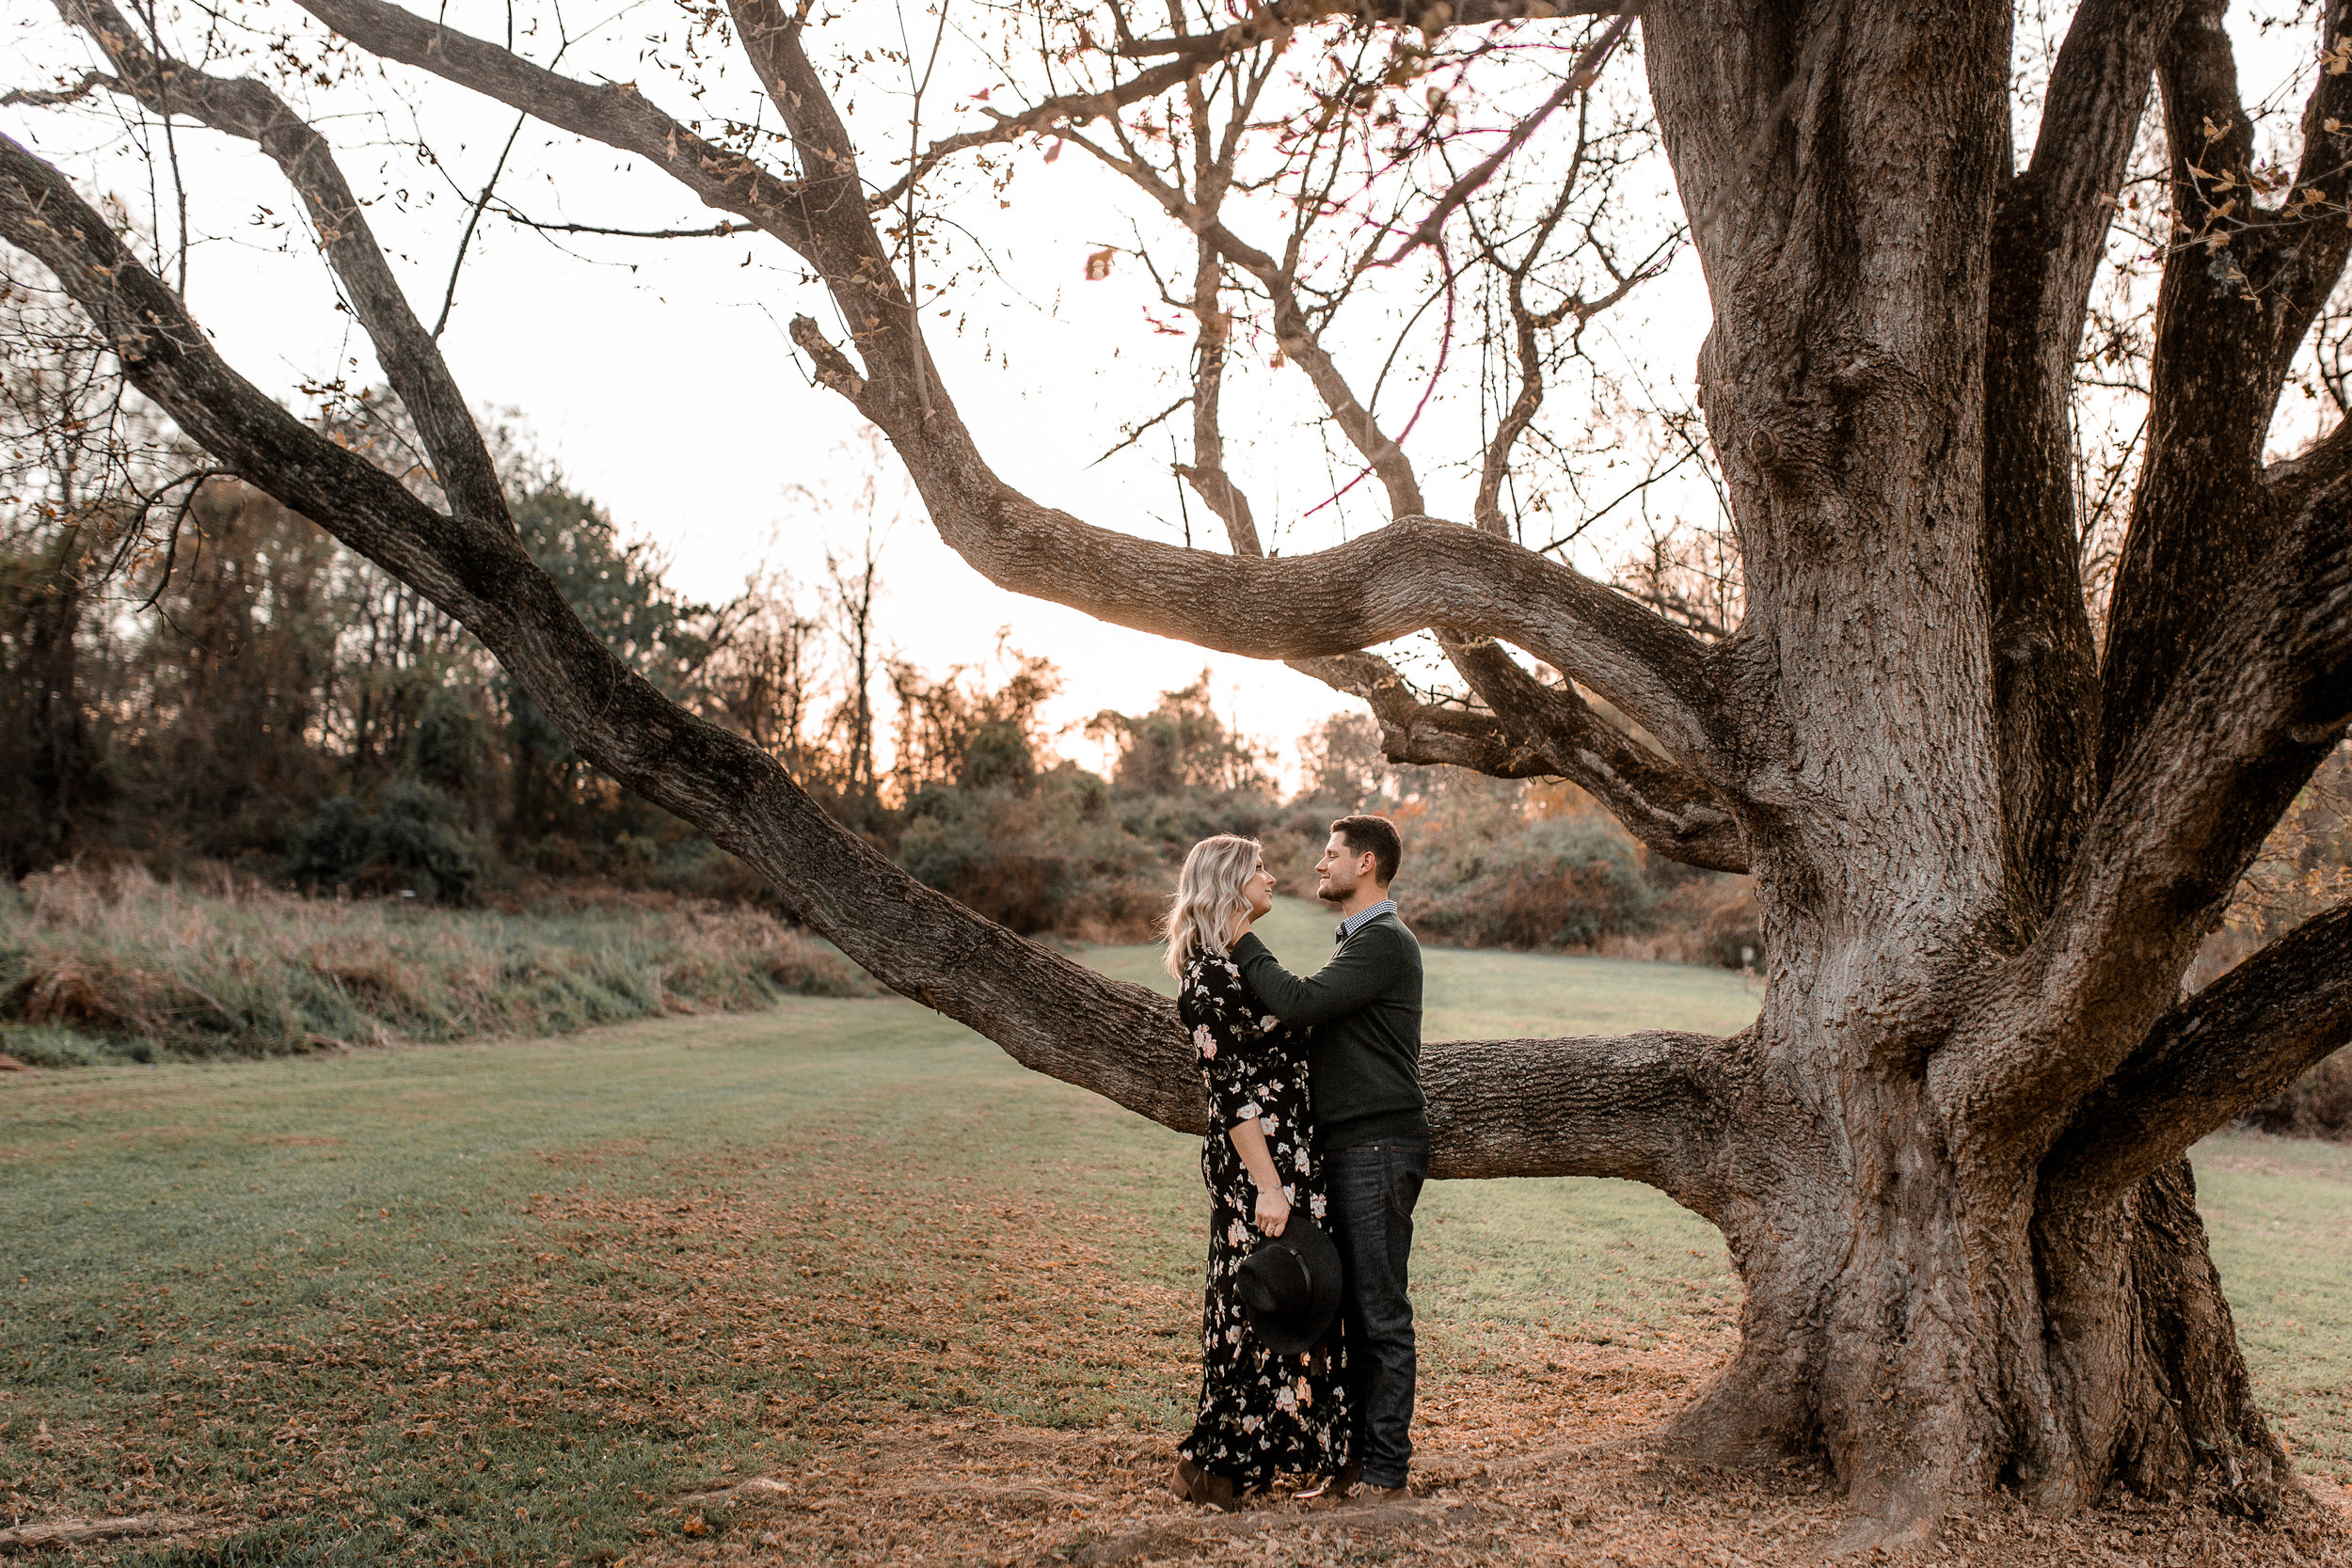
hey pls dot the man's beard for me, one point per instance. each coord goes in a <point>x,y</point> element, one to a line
<point>1332,893</point>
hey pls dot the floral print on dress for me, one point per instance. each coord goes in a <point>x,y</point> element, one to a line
<point>1261,1414</point>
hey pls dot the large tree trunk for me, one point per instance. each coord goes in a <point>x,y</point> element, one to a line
<point>1921,1308</point>
<point>1932,1337</point>
<point>2144,1359</point>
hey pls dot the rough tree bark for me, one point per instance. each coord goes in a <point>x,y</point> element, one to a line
<point>1950,1156</point>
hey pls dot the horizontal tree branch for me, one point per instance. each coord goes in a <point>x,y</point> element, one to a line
<point>2232,1045</point>
<point>1637,1106</point>
<point>1413,574</point>
<point>36,98</point>
<point>1645,1107</point>
<point>1433,16</point>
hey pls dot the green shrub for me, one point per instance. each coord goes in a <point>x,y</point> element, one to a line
<point>1551,882</point>
<point>46,1045</point>
<point>411,840</point>
<point>1048,858</point>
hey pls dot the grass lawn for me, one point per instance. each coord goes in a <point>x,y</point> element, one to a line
<point>503,1302</point>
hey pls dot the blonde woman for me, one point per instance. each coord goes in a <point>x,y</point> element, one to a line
<point>1265,1409</point>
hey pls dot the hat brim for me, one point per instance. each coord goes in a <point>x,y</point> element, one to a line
<point>1287,1334</point>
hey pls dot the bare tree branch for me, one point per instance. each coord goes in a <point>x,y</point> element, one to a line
<point>1580,75</point>
<point>719,231</point>
<point>1213,176</point>
<point>250,110</point>
<point>1118,1039</point>
<point>1648,1107</point>
<point>2261,703</point>
<point>2048,227</point>
<point>1427,572</point>
<point>616,115</point>
<point>1074,108</point>
<point>1432,17</point>
<point>1526,329</point>
<point>1539,731</point>
<point>2293,481</point>
<point>1526,343</point>
<point>2234,307</point>
<point>2305,244</point>
<point>1293,332</point>
<point>2235,1043</point>
<point>33,97</point>
<point>473,221</point>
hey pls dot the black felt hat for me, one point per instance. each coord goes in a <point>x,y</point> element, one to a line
<point>1289,1287</point>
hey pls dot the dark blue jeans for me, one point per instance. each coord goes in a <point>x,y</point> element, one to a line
<point>1374,1187</point>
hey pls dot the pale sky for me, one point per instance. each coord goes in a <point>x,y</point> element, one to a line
<point>659,375</point>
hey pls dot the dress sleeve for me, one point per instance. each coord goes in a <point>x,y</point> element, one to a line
<point>1230,1036</point>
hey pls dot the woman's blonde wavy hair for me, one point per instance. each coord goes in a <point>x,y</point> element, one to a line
<point>1209,897</point>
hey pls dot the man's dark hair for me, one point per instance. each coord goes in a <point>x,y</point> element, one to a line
<point>1376,836</point>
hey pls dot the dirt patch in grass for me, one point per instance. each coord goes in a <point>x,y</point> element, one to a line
<point>1517,1470</point>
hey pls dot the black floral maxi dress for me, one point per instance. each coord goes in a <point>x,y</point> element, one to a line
<point>1261,1414</point>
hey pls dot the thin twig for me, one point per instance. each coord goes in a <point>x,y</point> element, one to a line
<point>146,10</point>
<point>1581,76</point>
<point>473,220</point>
<point>1139,433</point>
<point>716,232</point>
<point>32,98</point>
<point>195,481</point>
<point>914,248</point>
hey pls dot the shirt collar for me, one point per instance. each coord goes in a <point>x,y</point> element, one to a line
<point>1349,927</point>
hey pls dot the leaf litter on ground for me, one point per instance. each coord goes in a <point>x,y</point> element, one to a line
<point>749,1365</point>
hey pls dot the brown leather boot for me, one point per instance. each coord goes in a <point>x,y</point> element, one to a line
<point>1328,1490</point>
<point>1205,1488</point>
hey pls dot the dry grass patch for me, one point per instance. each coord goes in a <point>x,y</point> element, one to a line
<point>109,965</point>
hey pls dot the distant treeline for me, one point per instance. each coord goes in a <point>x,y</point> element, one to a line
<point>275,707</point>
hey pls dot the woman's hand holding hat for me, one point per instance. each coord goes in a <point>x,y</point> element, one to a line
<point>1274,1211</point>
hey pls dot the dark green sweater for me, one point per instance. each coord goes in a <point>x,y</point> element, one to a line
<point>1364,1062</point>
